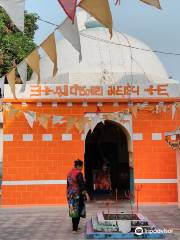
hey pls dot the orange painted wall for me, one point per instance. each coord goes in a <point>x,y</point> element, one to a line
<point>39,160</point>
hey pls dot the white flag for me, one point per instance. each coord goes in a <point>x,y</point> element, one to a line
<point>57,120</point>
<point>30,117</point>
<point>15,10</point>
<point>2,85</point>
<point>22,70</point>
<point>71,33</point>
<point>94,121</point>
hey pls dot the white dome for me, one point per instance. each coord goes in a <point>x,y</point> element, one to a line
<point>106,61</point>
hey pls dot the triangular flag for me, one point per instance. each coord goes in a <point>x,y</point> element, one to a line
<point>94,121</point>
<point>15,10</point>
<point>80,124</point>
<point>87,127</point>
<point>70,123</point>
<point>71,33</point>
<point>134,110</point>
<point>100,10</point>
<point>11,78</point>
<point>33,61</point>
<point>43,120</point>
<point>13,112</point>
<point>49,46</point>
<point>57,120</point>
<point>2,80</point>
<point>22,70</point>
<point>154,3</point>
<point>30,117</point>
<point>69,7</point>
<point>117,2</point>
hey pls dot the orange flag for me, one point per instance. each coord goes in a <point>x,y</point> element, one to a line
<point>11,78</point>
<point>100,10</point>
<point>33,61</point>
<point>49,46</point>
<point>154,3</point>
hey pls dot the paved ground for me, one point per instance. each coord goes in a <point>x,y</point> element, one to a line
<point>53,223</point>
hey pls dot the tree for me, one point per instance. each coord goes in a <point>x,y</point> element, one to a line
<point>15,45</point>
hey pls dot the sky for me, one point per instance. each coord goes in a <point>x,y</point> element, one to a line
<point>159,29</point>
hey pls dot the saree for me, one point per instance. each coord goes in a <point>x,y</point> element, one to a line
<point>75,198</point>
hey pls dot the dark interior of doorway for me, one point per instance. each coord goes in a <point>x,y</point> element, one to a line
<point>107,145</point>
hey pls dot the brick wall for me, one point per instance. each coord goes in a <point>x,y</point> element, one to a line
<point>37,160</point>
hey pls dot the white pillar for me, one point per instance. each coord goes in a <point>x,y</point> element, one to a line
<point>178,176</point>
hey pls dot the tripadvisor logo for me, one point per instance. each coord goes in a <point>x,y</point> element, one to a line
<point>139,231</point>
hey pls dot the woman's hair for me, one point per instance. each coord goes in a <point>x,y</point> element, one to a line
<point>78,163</point>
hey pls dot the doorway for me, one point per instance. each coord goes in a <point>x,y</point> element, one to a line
<point>107,170</point>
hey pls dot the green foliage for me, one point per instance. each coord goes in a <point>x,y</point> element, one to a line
<point>15,45</point>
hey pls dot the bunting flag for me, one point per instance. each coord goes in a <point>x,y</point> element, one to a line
<point>71,33</point>
<point>69,7</point>
<point>22,70</point>
<point>70,123</point>
<point>15,10</point>
<point>117,2</point>
<point>30,117</point>
<point>13,112</point>
<point>43,120</point>
<point>33,61</point>
<point>94,121</point>
<point>80,124</point>
<point>11,78</point>
<point>49,46</point>
<point>2,80</point>
<point>100,10</point>
<point>154,3</point>
<point>57,120</point>
<point>134,110</point>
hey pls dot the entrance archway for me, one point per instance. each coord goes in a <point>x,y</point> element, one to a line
<point>108,161</point>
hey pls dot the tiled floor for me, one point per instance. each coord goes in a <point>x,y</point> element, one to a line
<point>53,223</point>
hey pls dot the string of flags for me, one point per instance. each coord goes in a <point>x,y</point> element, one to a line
<point>174,144</point>
<point>100,10</point>
<point>97,8</point>
<point>85,123</point>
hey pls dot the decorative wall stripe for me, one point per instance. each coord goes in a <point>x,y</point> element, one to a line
<point>158,180</point>
<point>54,104</point>
<point>99,104</point>
<point>52,182</point>
<point>66,137</point>
<point>33,182</point>
<point>137,136</point>
<point>84,104</point>
<point>115,104</point>
<point>69,104</point>
<point>157,136</point>
<point>24,104</point>
<point>47,137</point>
<point>8,137</point>
<point>27,137</point>
<point>39,104</point>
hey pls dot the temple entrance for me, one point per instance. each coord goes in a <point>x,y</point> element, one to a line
<point>107,170</point>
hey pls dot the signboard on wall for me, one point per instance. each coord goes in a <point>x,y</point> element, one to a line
<point>121,91</point>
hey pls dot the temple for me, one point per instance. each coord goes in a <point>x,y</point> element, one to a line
<point>111,110</point>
